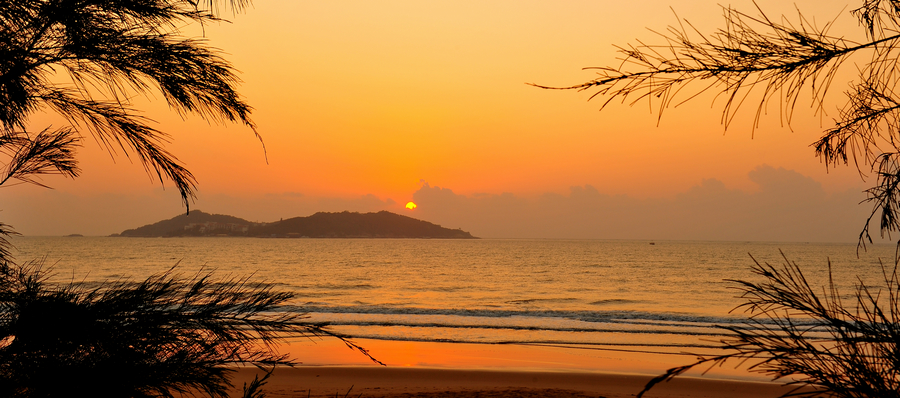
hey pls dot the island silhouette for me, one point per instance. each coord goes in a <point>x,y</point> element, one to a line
<point>383,224</point>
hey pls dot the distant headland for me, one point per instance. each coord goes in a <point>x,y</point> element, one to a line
<point>383,224</point>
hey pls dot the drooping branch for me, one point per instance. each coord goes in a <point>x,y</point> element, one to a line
<point>116,126</point>
<point>165,336</point>
<point>748,53</point>
<point>779,61</point>
<point>827,346</point>
<point>112,50</point>
<point>48,152</point>
<point>878,17</point>
<point>884,196</point>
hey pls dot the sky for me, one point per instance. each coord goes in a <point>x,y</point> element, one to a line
<point>365,106</point>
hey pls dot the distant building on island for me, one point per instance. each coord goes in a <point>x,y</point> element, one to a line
<point>212,226</point>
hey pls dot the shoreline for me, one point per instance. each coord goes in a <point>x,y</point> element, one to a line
<point>407,382</point>
<point>331,352</point>
<point>460,370</point>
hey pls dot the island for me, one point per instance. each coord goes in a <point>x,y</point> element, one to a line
<point>383,224</point>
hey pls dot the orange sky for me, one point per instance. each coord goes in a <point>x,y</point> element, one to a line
<point>359,98</point>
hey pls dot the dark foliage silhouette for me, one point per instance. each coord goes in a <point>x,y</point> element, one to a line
<point>815,340</point>
<point>165,336</point>
<point>168,335</point>
<point>254,388</point>
<point>780,61</point>
<point>111,52</point>
<point>795,334</point>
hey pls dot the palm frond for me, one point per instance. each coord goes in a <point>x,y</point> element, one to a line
<point>112,49</point>
<point>164,336</point>
<point>115,127</point>
<point>48,152</point>
<point>776,57</point>
<point>757,61</point>
<point>815,341</point>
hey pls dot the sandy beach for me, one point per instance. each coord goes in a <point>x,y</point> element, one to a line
<point>450,370</point>
<point>376,382</point>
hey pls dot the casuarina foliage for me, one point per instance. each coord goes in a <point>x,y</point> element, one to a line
<point>815,340</point>
<point>169,335</point>
<point>163,337</point>
<point>781,60</point>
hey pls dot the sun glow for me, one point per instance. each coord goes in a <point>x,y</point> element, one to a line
<point>411,206</point>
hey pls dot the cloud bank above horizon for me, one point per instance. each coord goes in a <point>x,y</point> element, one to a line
<point>787,206</point>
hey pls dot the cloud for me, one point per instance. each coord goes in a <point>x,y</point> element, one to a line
<point>274,206</point>
<point>54,213</point>
<point>787,207</point>
<point>50,212</point>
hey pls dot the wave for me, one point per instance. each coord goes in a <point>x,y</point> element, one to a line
<point>338,286</point>
<point>628,347</point>
<point>388,323</point>
<point>596,316</point>
<point>614,322</point>
<point>613,301</point>
<point>541,300</point>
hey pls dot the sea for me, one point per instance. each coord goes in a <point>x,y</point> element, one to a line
<point>643,296</point>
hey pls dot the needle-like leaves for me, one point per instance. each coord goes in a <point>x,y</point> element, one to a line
<point>112,50</point>
<point>169,335</point>
<point>779,61</point>
<point>815,341</point>
<point>163,337</point>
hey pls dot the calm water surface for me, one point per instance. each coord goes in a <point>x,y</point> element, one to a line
<point>664,297</point>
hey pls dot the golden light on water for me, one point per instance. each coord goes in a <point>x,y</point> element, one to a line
<point>411,206</point>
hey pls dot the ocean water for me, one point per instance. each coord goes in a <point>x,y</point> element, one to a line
<point>663,296</point>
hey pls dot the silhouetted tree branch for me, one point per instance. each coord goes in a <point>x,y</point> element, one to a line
<point>111,50</point>
<point>165,336</point>
<point>48,152</point>
<point>168,335</point>
<point>823,346</point>
<point>779,60</point>
<point>815,339</point>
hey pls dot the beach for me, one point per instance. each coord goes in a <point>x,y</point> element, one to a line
<point>376,382</point>
<point>454,370</point>
<point>596,318</point>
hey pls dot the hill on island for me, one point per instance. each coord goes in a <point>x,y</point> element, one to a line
<point>383,224</point>
<point>195,223</point>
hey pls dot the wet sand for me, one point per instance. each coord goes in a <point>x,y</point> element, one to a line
<point>449,370</point>
<point>384,382</point>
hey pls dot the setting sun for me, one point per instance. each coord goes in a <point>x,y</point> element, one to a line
<point>411,206</point>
